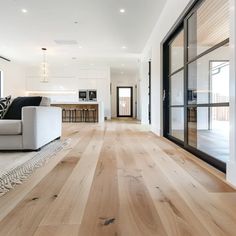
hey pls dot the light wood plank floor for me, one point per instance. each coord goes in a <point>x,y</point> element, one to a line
<point>120,179</point>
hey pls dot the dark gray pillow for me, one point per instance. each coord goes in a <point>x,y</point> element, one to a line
<point>4,105</point>
<point>14,111</point>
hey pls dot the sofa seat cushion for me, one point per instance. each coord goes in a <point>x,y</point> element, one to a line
<point>10,127</point>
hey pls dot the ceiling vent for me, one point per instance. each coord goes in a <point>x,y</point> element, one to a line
<point>66,42</point>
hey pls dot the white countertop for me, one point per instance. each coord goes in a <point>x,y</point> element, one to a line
<point>79,102</point>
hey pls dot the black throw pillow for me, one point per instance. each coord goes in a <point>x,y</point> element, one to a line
<point>14,111</point>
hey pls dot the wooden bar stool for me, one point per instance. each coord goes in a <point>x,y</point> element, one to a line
<point>63,115</point>
<point>67,115</point>
<point>93,113</point>
<point>79,115</point>
<point>72,115</point>
<point>86,114</point>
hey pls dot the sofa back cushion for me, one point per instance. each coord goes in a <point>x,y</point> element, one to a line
<point>4,105</point>
<point>14,111</point>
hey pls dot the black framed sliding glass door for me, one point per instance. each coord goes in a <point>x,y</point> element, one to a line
<point>196,82</point>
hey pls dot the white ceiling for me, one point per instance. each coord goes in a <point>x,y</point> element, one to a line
<point>101,30</point>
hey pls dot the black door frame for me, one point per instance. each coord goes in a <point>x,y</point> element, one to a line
<point>150,91</point>
<point>179,25</point>
<point>117,100</point>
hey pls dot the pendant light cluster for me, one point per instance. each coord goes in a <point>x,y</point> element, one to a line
<point>44,67</point>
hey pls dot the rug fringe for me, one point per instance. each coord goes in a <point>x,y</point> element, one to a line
<point>17,175</point>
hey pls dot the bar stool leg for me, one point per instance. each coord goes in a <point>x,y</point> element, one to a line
<point>86,115</point>
<point>67,116</point>
<point>94,118</point>
<point>63,115</point>
<point>74,113</point>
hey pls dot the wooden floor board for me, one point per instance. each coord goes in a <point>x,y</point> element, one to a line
<point>103,198</point>
<point>137,211</point>
<point>120,179</point>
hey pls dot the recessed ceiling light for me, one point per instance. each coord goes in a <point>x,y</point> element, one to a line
<point>80,47</point>
<point>24,10</point>
<point>124,47</point>
<point>122,10</point>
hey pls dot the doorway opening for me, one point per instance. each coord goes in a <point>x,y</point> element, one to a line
<point>124,101</point>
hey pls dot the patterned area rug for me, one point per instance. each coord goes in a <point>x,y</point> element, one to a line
<point>15,167</point>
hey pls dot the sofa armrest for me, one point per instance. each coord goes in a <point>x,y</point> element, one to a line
<point>40,125</point>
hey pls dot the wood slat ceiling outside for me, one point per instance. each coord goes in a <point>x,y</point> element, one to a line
<point>212,24</point>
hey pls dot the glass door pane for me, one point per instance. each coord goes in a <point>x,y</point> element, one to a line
<point>177,89</point>
<point>177,53</point>
<point>208,78</point>
<point>177,122</point>
<point>219,81</point>
<point>208,131</point>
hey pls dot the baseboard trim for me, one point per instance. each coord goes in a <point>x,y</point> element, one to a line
<point>231,173</point>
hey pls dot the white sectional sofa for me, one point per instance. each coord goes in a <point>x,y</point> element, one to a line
<point>39,126</point>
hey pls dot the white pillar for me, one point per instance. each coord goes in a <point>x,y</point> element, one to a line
<point>231,164</point>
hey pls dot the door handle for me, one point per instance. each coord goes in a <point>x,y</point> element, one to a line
<point>164,95</point>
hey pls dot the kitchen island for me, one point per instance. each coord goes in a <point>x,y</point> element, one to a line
<point>76,107</point>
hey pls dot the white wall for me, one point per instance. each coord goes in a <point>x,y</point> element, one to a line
<point>13,78</point>
<point>127,79</point>
<point>65,81</point>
